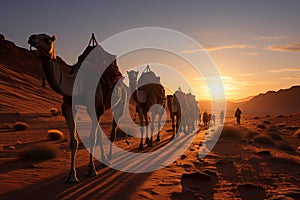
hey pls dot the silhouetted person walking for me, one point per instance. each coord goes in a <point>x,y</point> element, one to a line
<point>221,117</point>
<point>237,114</point>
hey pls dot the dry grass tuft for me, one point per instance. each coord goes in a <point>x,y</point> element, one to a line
<point>264,139</point>
<point>231,132</point>
<point>55,134</point>
<point>40,152</point>
<point>54,111</point>
<point>20,126</point>
<point>297,133</point>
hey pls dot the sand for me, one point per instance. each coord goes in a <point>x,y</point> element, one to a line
<point>236,168</point>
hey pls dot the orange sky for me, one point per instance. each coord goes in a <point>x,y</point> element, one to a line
<point>255,44</point>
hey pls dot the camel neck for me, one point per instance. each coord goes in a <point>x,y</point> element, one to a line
<point>132,85</point>
<point>57,79</point>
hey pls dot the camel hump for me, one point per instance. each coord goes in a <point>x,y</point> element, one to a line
<point>141,96</point>
<point>147,78</point>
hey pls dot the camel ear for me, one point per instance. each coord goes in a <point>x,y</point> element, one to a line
<point>53,38</point>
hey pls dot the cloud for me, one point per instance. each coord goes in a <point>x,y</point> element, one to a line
<point>292,78</point>
<point>219,48</point>
<point>285,70</point>
<point>270,38</point>
<point>291,47</point>
<point>246,74</point>
<point>232,46</point>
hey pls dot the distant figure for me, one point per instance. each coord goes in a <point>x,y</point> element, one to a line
<point>237,114</point>
<point>222,117</point>
<point>213,119</point>
<point>205,118</point>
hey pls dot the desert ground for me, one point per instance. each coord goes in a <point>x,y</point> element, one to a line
<point>258,159</point>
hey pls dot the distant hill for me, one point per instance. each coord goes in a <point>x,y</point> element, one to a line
<point>284,101</point>
<point>20,81</point>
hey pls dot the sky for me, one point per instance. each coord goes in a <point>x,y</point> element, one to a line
<point>255,45</point>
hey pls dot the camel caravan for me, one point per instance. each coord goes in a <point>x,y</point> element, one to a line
<point>147,93</point>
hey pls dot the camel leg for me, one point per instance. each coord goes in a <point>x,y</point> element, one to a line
<point>141,129</point>
<point>178,121</point>
<point>67,112</point>
<point>158,127</point>
<point>112,138</point>
<point>150,144</point>
<point>93,136</point>
<point>146,124</point>
<point>173,125</point>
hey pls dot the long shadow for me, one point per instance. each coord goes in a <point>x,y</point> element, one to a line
<point>109,184</point>
<point>14,165</point>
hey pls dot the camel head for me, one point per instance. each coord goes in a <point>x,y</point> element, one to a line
<point>132,75</point>
<point>44,44</point>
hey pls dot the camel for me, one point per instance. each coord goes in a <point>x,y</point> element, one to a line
<point>63,83</point>
<point>146,96</point>
<point>175,113</point>
<point>194,111</point>
<point>178,107</point>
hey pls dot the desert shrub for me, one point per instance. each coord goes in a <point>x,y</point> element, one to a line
<point>267,122</point>
<point>54,111</point>
<point>297,133</point>
<point>281,125</point>
<point>268,115</point>
<point>286,147</point>
<point>256,117</point>
<point>231,132</point>
<point>280,116</point>
<point>55,134</point>
<point>275,136</point>
<point>39,152</point>
<point>20,126</point>
<point>264,139</point>
<point>261,126</point>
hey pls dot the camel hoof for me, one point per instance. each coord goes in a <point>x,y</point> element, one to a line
<point>147,141</point>
<point>91,173</point>
<point>105,160</point>
<point>141,147</point>
<point>72,180</point>
<point>158,139</point>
